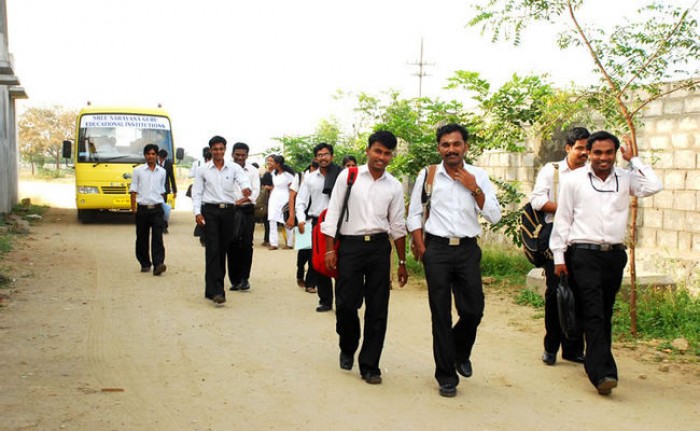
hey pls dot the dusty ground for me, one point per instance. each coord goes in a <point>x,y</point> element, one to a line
<point>90,343</point>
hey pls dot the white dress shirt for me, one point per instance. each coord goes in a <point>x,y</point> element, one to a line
<point>543,191</point>
<point>254,179</point>
<point>594,211</point>
<point>375,206</point>
<point>453,210</point>
<point>214,186</point>
<point>149,185</point>
<point>312,187</point>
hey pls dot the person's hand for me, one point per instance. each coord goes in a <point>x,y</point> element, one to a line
<point>560,269</point>
<point>466,179</point>
<point>402,275</point>
<point>290,222</point>
<point>246,192</point>
<point>301,226</point>
<point>241,201</point>
<point>199,219</point>
<point>418,249</point>
<point>331,260</point>
<point>626,150</point>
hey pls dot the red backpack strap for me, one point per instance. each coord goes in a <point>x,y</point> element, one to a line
<point>352,175</point>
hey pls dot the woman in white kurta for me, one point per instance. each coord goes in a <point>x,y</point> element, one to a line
<point>282,177</point>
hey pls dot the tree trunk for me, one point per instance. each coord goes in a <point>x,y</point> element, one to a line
<point>634,204</point>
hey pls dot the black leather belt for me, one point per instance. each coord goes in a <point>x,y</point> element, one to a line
<point>453,241</point>
<point>221,206</point>
<point>598,247</point>
<point>366,238</point>
<point>149,207</point>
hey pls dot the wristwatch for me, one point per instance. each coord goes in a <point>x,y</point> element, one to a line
<point>477,191</point>
<point>402,262</point>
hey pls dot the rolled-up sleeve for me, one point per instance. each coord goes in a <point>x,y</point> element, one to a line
<point>397,219</point>
<point>492,209</point>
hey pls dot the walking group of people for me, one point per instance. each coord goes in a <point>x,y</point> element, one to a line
<point>365,214</point>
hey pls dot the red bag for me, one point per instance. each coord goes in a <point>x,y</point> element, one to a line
<point>318,239</point>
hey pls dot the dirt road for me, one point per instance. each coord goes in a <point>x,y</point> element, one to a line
<point>90,343</point>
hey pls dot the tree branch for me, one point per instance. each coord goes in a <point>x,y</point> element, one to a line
<point>665,93</point>
<point>656,53</point>
<point>596,60</point>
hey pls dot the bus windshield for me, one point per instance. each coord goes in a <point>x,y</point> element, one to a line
<point>120,138</point>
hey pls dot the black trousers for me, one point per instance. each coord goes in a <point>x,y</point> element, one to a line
<point>363,275</point>
<point>219,231</point>
<point>324,285</point>
<point>240,252</point>
<point>303,259</point>
<point>554,337</point>
<point>453,270</point>
<point>149,223</point>
<point>598,276</point>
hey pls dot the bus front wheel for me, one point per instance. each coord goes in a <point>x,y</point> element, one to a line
<point>86,216</point>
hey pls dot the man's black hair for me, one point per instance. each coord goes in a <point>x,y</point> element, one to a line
<point>163,153</point>
<point>602,136</point>
<point>149,148</point>
<point>450,128</point>
<point>576,134</point>
<point>384,137</point>
<point>217,139</point>
<point>321,146</point>
<point>241,146</point>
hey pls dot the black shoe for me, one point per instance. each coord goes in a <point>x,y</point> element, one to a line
<point>146,269</point>
<point>235,286</point>
<point>448,390</point>
<point>219,299</point>
<point>245,285</point>
<point>159,269</point>
<point>606,385</point>
<point>372,379</point>
<point>579,359</point>
<point>464,368</point>
<point>322,308</point>
<point>346,361</point>
<point>166,230</point>
<point>549,358</point>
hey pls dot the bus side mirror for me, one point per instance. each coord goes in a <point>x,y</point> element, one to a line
<point>180,154</point>
<point>67,147</point>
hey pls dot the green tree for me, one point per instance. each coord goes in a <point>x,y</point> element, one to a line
<point>42,132</point>
<point>637,62</point>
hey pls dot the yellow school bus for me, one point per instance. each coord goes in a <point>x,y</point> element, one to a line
<point>108,146</point>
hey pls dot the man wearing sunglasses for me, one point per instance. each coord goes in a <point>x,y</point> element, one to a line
<point>587,238</point>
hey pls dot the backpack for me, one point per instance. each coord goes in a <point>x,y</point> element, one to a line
<point>318,239</point>
<point>535,232</point>
<point>425,200</point>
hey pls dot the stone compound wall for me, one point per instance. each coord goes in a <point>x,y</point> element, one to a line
<point>669,222</point>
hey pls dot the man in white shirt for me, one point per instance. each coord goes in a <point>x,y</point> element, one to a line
<point>544,198</point>
<point>146,192</point>
<point>587,242</point>
<point>213,205</point>
<point>375,210</point>
<point>312,201</point>
<point>240,251</point>
<point>450,253</point>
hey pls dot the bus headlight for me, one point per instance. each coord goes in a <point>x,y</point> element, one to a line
<point>88,190</point>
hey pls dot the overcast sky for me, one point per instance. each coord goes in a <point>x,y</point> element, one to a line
<point>253,70</point>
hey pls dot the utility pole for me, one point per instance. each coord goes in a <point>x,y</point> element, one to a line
<point>421,69</point>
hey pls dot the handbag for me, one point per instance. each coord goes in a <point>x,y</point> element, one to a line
<point>285,214</point>
<point>566,306</point>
